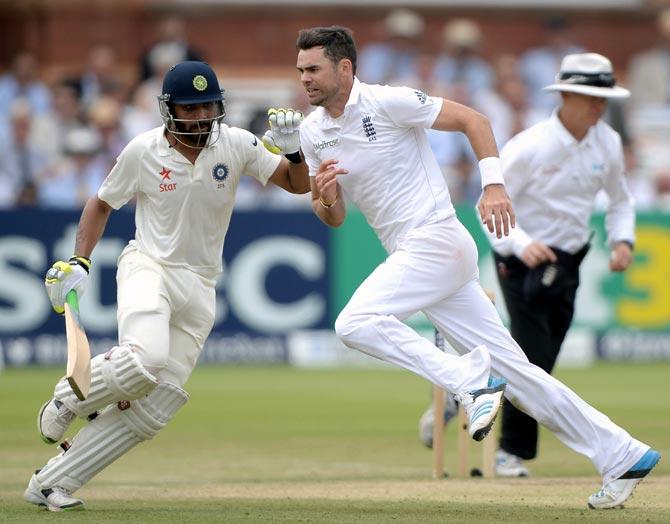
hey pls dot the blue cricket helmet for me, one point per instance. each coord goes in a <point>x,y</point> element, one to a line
<point>191,82</point>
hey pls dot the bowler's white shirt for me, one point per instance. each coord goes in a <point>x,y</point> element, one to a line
<point>380,139</point>
<point>552,180</point>
<point>183,209</point>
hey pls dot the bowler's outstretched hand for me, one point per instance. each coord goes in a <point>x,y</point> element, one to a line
<point>495,209</point>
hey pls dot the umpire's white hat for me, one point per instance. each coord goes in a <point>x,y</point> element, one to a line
<point>588,74</point>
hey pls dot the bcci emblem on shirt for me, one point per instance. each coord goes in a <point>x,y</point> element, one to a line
<point>220,173</point>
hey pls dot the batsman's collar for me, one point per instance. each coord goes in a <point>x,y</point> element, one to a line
<point>587,74</point>
<point>164,149</point>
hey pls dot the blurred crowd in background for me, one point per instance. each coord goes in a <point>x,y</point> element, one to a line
<point>59,140</point>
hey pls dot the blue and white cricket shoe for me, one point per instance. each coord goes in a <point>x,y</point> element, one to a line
<point>482,406</point>
<point>616,492</point>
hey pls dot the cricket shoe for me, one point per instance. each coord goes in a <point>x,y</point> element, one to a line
<point>614,493</point>
<point>54,499</point>
<point>427,420</point>
<point>482,405</point>
<point>508,465</point>
<point>53,420</point>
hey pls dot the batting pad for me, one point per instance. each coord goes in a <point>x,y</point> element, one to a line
<point>116,375</point>
<point>110,435</point>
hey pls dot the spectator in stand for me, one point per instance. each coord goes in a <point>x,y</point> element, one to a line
<point>507,106</point>
<point>78,176</point>
<point>23,81</point>
<point>460,67</point>
<point>105,116</point>
<point>539,64</point>
<point>649,80</point>
<point>66,114</point>
<point>144,114</point>
<point>172,40</point>
<point>393,57</point>
<point>101,76</point>
<point>21,160</point>
<point>649,72</point>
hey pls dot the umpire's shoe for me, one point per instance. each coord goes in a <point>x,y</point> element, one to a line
<point>614,493</point>
<point>54,499</point>
<point>482,405</point>
<point>53,420</point>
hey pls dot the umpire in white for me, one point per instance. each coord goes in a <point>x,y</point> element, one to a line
<point>553,172</point>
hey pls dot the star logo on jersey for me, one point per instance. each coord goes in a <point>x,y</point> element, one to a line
<point>165,175</point>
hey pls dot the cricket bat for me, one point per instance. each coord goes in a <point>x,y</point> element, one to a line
<point>78,352</point>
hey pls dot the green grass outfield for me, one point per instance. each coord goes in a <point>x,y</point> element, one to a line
<point>285,445</point>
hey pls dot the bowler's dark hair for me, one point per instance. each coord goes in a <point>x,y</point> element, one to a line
<point>337,42</point>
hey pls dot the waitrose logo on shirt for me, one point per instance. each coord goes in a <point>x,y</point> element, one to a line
<point>326,143</point>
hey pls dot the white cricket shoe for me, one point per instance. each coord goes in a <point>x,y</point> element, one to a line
<point>427,420</point>
<point>508,465</point>
<point>614,493</point>
<point>54,499</point>
<point>53,420</point>
<point>482,406</point>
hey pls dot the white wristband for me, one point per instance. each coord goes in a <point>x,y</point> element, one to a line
<point>491,171</point>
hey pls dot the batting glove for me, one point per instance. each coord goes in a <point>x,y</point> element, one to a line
<point>283,137</point>
<point>63,277</point>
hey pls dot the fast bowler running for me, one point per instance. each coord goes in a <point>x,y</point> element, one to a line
<point>368,143</point>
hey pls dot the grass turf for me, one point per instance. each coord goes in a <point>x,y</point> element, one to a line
<point>285,445</point>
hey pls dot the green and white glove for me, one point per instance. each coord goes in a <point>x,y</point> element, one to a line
<point>283,137</point>
<point>63,277</point>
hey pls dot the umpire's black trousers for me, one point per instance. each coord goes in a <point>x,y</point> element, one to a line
<point>539,327</point>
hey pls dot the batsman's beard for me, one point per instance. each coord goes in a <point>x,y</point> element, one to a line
<point>194,135</point>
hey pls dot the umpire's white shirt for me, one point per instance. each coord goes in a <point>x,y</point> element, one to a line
<point>552,180</point>
<point>183,209</point>
<point>380,139</point>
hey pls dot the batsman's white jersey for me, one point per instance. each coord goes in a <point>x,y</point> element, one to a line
<point>183,210</point>
<point>432,267</point>
<point>166,275</point>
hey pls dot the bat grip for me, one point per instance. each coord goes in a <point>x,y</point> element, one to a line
<point>72,299</point>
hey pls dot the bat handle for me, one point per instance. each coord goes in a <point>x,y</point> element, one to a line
<point>72,299</point>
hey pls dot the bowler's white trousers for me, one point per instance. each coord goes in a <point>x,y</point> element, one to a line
<point>164,313</point>
<point>434,270</point>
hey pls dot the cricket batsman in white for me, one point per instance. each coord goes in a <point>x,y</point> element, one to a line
<point>184,176</point>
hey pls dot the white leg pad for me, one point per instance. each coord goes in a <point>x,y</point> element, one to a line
<point>110,435</point>
<point>116,375</point>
